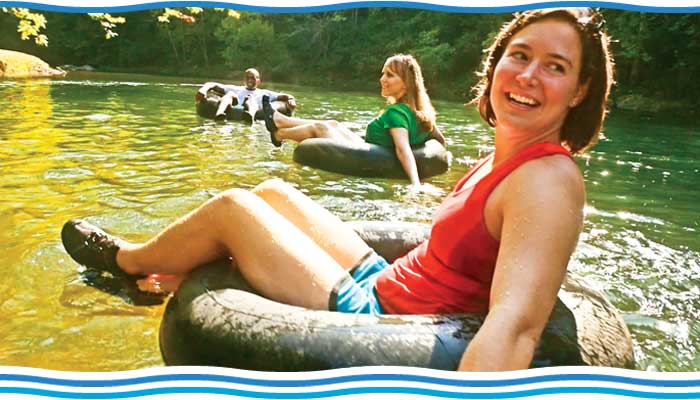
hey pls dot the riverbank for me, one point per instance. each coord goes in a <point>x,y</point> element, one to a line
<point>620,99</point>
<point>647,104</point>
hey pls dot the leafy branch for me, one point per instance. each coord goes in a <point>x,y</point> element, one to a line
<point>108,22</point>
<point>30,24</point>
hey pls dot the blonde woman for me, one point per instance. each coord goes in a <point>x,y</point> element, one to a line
<point>409,120</point>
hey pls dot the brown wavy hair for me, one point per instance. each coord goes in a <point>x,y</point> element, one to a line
<point>416,97</point>
<point>582,125</point>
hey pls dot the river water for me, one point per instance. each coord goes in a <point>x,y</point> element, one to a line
<point>129,153</point>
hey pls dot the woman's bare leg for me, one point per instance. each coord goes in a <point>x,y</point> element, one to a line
<point>276,258</point>
<point>328,231</point>
<point>297,133</point>
<point>318,129</point>
<point>283,121</point>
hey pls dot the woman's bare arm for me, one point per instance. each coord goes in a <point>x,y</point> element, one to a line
<point>438,135</point>
<point>405,154</point>
<point>542,214</point>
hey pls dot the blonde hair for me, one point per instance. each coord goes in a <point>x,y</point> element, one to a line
<point>416,96</point>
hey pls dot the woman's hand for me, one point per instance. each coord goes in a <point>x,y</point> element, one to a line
<point>538,214</point>
<point>160,284</point>
<point>437,135</point>
<point>425,188</point>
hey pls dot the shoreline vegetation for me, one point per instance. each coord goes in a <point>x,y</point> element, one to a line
<point>17,65</point>
<point>656,54</point>
<point>620,99</point>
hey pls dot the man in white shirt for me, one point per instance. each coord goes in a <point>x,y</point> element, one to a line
<point>249,96</point>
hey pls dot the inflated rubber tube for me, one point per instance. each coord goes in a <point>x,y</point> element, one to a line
<point>215,319</point>
<point>207,107</point>
<point>371,160</point>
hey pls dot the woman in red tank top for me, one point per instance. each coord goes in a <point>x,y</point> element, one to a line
<point>547,81</point>
<point>500,241</point>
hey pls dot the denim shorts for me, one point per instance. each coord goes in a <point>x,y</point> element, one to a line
<point>355,293</point>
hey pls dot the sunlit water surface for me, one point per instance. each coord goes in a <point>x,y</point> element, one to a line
<point>129,153</point>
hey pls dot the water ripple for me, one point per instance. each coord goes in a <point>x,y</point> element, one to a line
<point>110,148</point>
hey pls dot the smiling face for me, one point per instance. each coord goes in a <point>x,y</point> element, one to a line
<point>536,81</point>
<point>251,79</point>
<point>391,83</point>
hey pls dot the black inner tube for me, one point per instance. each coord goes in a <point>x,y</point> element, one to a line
<point>369,160</point>
<point>216,319</point>
<point>207,107</point>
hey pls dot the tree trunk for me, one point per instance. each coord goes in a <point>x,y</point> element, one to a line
<point>172,44</point>
<point>637,62</point>
<point>203,42</point>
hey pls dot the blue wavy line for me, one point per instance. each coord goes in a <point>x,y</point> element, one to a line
<point>351,391</point>
<point>343,6</point>
<point>598,378</point>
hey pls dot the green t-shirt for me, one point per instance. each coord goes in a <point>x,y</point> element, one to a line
<point>397,115</point>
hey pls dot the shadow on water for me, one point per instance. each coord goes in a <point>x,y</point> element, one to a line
<point>129,153</point>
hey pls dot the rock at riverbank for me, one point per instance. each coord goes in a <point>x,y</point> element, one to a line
<point>71,67</point>
<point>14,64</point>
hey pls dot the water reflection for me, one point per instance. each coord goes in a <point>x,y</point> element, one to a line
<point>130,153</point>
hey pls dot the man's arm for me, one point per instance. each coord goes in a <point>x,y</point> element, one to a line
<point>542,213</point>
<point>202,92</point>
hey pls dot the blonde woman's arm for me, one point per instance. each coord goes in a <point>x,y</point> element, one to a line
<point>405,154</point>
<point>437,135</point>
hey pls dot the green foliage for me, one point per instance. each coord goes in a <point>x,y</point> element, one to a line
<point>433,55</point>
<point>179,14</point>
<point>108,22</point>
<point>188,34</point>
<point>30,24</point>
<point>249,42</point>
<point>656,54</point>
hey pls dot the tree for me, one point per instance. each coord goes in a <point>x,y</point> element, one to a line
<point>30,24</point>
<point>249,43</point>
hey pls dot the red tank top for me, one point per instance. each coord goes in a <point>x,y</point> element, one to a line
<point>452,271</point>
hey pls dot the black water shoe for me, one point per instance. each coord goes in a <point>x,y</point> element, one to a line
<point>94,248</point>
<point>269,112</point>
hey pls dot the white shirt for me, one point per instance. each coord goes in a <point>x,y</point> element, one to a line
<point>241,92</point>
